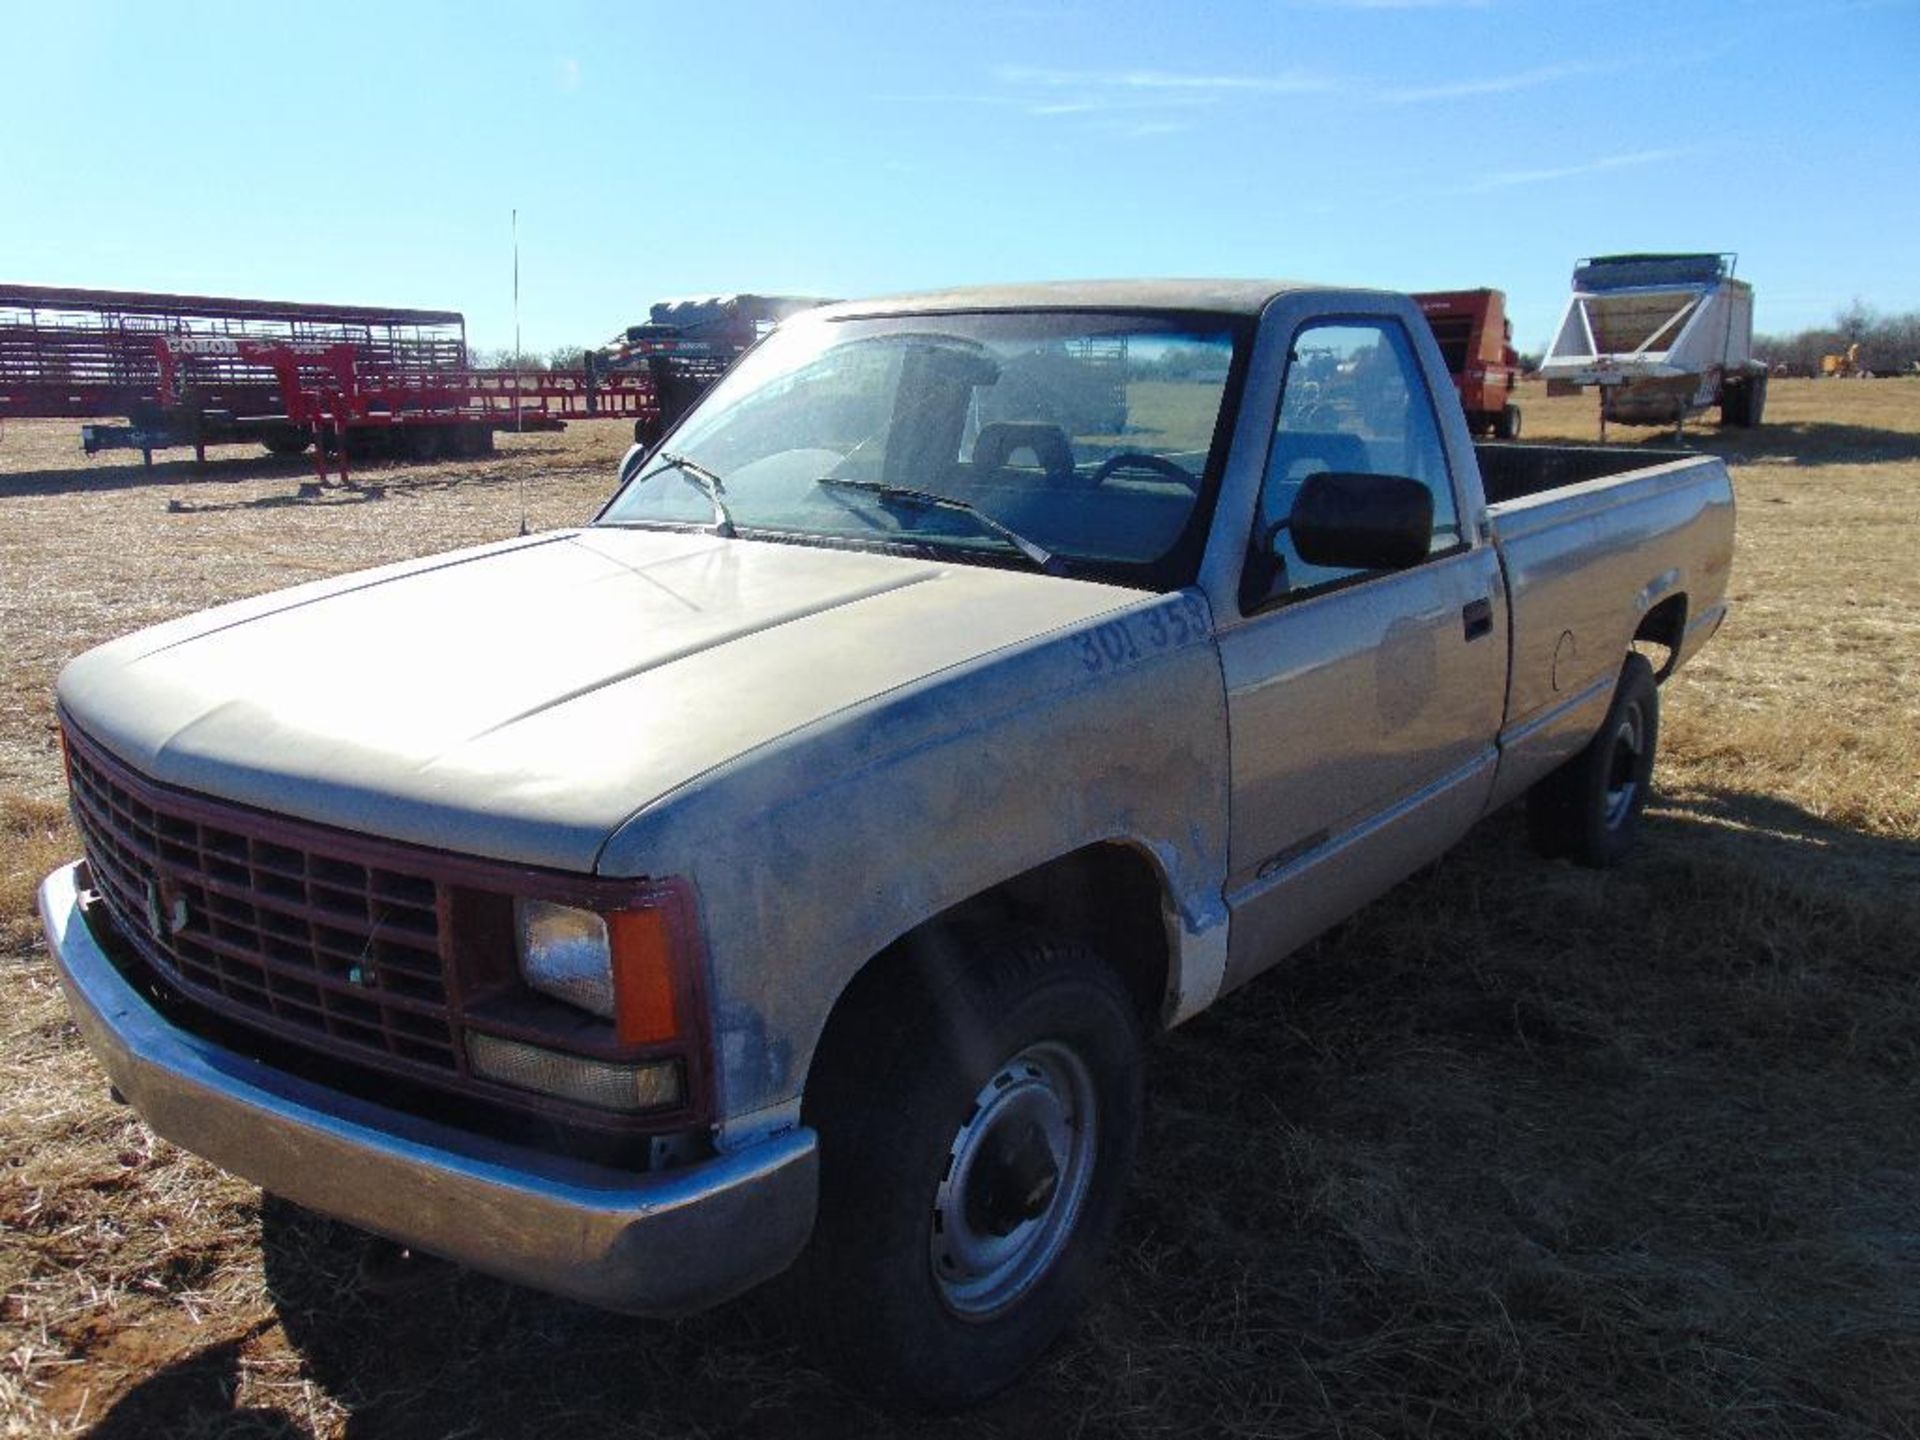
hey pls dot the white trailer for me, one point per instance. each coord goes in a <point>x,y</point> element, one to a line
<point>1662,337</point>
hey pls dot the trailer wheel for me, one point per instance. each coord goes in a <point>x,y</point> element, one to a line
<point>978,1118</point>
<point>1506,425</point>
<point>363,442</point>
<point>286,439</point>
<point>1589,809</point>
<point>473,440</point>
<point>1736,402</point>
<point>423,442</point>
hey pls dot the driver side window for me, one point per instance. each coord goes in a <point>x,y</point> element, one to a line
<point>1354,400</point>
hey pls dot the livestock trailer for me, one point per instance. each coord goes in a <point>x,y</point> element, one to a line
<point>199,370</point>
<point>1662,337</point>
<point>1476,340</point>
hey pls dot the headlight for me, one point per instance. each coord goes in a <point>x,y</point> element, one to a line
<point>619,965</point>
<point>566,953</point>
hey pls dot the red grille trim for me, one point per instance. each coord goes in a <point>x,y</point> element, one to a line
<point>280,914</point>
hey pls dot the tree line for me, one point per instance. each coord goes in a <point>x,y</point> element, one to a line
<point>1889,344</point>
<point>500,358</point>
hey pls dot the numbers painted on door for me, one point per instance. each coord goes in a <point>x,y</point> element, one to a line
<point>1115,644</point>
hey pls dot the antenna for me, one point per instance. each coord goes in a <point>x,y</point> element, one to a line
<point>516,359</point>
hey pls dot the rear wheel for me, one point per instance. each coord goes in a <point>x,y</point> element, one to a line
<point>1736,402</point>
<point>471,440</point>
<point>1589,809</point>
<point>286,439</point>
<point>1506,425</point>
<point>977,1121</point>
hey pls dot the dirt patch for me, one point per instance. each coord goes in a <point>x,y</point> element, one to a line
<point>1520,1150</point>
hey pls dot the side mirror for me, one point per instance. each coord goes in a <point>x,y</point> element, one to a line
<point>1350,521</point>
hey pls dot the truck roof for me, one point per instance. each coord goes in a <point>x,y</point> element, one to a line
<point>1236,297</point>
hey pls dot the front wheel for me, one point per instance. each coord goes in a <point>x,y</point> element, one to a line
<point>1589,809</point>
<point>978,1117</point>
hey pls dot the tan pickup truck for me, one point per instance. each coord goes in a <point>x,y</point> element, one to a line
<point>783,872</point>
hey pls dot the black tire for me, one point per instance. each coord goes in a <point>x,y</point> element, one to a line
<point>1736,402</point>
<point>1756,400</point>
<point>952,1097</point>
<point>1506,425</point>
<point>364,442</point>
<point>1589,809</point>
<point>286,439</point>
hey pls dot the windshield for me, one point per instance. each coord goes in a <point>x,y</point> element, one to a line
<point>1092,437</point>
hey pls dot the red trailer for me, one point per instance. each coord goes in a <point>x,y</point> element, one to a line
<point>1476,339</point>
<point>202,370</point>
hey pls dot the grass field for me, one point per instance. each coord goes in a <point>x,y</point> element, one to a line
<point>1522,1149</point>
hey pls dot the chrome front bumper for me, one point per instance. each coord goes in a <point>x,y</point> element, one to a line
<point>662,1244</point>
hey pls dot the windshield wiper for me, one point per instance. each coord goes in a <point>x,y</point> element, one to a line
<point>1042,559</point>
<point>702,479</point>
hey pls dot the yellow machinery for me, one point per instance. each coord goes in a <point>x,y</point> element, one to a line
<point>1842,367</point>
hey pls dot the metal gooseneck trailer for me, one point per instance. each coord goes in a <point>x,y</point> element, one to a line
<point>1662,337</point>
<point>350,381</point>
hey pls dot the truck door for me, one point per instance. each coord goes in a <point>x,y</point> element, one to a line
<point>1363,705</point>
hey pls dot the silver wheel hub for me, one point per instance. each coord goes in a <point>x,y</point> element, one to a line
<point>1016,1179</point>
<point>1623,766</point>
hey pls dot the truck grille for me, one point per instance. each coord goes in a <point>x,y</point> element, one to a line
<point>264,922</point>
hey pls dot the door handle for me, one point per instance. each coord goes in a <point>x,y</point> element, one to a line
<point>1476,618</point>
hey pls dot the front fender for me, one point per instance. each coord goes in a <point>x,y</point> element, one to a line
<point>812,854</point>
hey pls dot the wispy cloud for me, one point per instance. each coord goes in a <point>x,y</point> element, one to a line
<point>1392,4</point>
<point>1491,85</point>
<point>1159,97</point>
<point>1166,82</point>
<point>567,75</point>
<point>1501,180</point>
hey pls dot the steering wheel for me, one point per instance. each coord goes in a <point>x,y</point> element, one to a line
<point>1143,460</point>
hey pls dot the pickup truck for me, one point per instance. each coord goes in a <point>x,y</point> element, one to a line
<point>780,874</point>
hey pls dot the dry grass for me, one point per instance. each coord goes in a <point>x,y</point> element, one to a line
<point>1521,1149</point>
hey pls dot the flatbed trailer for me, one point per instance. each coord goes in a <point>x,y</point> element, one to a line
<point>1476,340</point>
<point>352,381</point>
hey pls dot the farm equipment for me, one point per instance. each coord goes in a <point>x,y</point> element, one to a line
<point>1662,337</point>
<point>1844,366</point>
<point>1476,340</point>
<point>683,346</point>
<point>352,381</point>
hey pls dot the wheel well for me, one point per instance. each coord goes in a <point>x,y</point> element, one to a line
<point>1658,637</point>
<point>1108,895</point>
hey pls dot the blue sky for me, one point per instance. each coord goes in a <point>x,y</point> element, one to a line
<point>372,153</point>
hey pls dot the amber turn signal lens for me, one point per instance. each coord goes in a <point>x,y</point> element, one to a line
<point>646,1011</point>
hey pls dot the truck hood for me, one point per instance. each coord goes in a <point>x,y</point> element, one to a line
<point>520,701</point>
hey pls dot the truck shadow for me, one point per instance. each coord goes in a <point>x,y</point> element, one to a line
<point>219,469</point>
<point>179,1397</point>
<point>1487,1154</point>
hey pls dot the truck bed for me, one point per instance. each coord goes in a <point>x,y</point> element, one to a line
<point>1513,471</point>
<point>1579,530</point>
